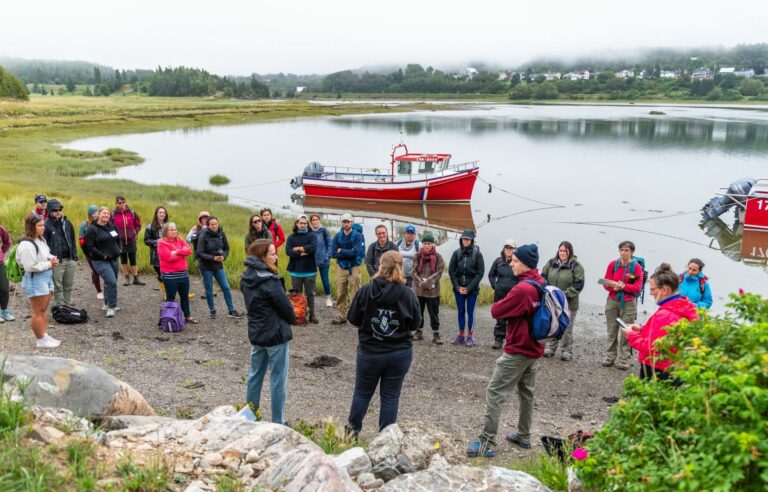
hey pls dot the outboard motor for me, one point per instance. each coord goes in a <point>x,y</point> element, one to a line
<point>736,193</point>
<point>311,170</point>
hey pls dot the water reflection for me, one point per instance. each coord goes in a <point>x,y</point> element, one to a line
<point>733,136</point>
<point>745,245</point>
<point>440,218</point>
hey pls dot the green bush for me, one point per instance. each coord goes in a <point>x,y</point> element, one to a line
<point>711,433</point>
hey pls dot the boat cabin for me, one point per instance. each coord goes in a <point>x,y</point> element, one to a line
<point>756,210</point>
<point>421,163</point>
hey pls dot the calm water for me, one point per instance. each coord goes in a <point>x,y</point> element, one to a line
<point>591,175</point>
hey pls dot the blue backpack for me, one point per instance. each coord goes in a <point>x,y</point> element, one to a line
<point>552,317</point>
<point>171,317</point>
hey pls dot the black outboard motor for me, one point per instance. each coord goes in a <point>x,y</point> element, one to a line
<point>311,170</point>
<point>736,194</point>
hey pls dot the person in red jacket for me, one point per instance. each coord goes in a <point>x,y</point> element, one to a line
<point>517,366</point>
<point>623,280</point>
<point>673,307</point>
<point>128,225</point>
<point>172,251</point>
<point>278,237</point>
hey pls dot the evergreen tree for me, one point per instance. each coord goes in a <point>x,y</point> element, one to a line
<point>11,87</point>
<point>96,75</point>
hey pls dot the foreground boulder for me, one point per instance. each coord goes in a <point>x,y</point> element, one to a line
<point>463,477</point>
<point>88,391</point>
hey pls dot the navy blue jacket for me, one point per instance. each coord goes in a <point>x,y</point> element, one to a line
<point>270,313</point>
<point>348,249</point>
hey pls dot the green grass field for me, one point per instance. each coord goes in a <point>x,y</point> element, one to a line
<point>33,161</point>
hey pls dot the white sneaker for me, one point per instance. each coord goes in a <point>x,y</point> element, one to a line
<point>110,313</point>
<point>2,320</point>
<point>48,342</point>
<point>104,307</point>
<point>7,315</point>
<point>328,301</point>
<point>99,295</point>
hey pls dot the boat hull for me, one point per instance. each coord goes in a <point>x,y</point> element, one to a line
<point>454,188</point>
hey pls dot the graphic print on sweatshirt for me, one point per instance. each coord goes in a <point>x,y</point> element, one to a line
<point>384,324</point>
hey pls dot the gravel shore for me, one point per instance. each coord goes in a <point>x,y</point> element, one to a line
<point>189,373</point>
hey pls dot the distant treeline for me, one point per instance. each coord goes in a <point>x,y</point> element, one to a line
<point>183,81</point>
<point>11,87</point>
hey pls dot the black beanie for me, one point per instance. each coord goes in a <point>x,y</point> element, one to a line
<point>528,254</point>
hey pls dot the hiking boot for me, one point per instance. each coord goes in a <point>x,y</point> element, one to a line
<point>515,439</point>
<point>313,320</point>
<point>548,352</point>
<point>623,366</point>
<point>137,281</point>
<point>47,342</point>
<point>419,335</point>
<point>566,356</point>
<point>7,315</point>
<point>436,339</point>
<point>470,342</point>
<point>480,449</point>
<point>459,340</point>
<point>127,281</point>
<point>328,301</point>
<point>213,314</point>
<point>339,321</point>
<point>497,344</point>
<point>607,362</point>
<point>234,314</point>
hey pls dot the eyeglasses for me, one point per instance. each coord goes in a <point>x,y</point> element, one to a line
<point>121,203</point>
<point>256,222</point>
<point>57,210</point>
<point>381,233</point>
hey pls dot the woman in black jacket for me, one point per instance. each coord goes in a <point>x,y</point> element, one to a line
<point>212,249</point>
<point>385,313</point>
<point>256,230</point>
<point>104,248</point>
<point>300,248</point>
<point>466,270</point>
<point>270,316</point>
<point>502,280</point>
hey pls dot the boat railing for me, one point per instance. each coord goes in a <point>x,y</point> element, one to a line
<point>382,176</point>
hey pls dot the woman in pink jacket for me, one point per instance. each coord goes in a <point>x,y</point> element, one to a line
<point>672,308</point>
<point>173,251</point>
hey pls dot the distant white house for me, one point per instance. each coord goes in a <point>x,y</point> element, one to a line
<point>505,75</point>
<point>703,74</point>
<point>624,74</point>
<point>552,76</point>
<point>300,89</point>
<point>727,70</point>
<point>471,72</point>
<point>669,74</point>
<point>749,73</point>
<point>577,75</point>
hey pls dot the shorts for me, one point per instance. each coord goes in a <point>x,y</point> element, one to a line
<point>129,254</point>
<point>37,284</point>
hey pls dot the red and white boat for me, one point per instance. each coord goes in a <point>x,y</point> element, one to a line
<point>411,178</point>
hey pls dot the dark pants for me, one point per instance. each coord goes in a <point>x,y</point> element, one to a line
<point>388,368</point>
<point>5,288</point>
<point>95,279</point>
<point>433,308</point>
<point>649,372</point>
<point>157,272</point>
<point>500,329</point>
<point>180,286</point>
<point>128,256</point>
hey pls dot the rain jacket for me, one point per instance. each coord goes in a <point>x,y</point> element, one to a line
<point>270,313</point>
<point>427,283</point>
<point>323,250</point>
<point>351,249</point>
<point>671,310</point>
<point>690,287</point>
<point>373,256</point>
<point>517,308</point>
<point>467,268</point>
<point>568,277</point>
<point>501,277</point>
<point>127,224</point>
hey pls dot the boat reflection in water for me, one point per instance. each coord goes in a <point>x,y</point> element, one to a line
<point>443,219</point>
<point>749,246</point>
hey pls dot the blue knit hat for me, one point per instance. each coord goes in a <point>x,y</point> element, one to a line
<point>528,254</point>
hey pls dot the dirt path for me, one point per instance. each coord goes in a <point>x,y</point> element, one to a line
<point>445,387</point>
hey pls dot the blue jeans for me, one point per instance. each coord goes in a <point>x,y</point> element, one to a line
<point>465,303</point>
<point>276,358</point>
<point>107,270</point>
<point>326,279</point>
<point>221,278</point>
<point>388,368</point>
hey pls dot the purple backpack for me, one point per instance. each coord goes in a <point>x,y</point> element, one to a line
<point>171,317</point>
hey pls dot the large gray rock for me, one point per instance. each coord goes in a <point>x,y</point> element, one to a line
<point>87,390</point>
<point>302,470</point>
<point>421,442</point>
<point>463,478</point>
<point>354,461</point>
<point>386,445</point>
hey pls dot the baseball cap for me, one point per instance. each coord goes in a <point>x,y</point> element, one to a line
<point>40,198</point>
<point>346,217</point>
<point>511,243</point>
<point>411,229</point>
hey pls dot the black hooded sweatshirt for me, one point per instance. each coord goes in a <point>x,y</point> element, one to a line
<point>385,314</point>
<point>270,313</point>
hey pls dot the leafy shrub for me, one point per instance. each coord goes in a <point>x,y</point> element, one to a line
<point>711,433</point>
<point>326,434</point>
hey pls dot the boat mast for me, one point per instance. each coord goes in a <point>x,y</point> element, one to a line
<point>392,161</point>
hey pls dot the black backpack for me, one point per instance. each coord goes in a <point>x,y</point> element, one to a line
<point>68,315</point>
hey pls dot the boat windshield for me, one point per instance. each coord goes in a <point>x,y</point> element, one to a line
<point>403,167</point>
<point>422,167</point>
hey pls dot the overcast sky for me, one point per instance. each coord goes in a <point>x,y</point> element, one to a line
<point>245,36</point>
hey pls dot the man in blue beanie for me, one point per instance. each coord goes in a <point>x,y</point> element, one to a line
<point>517,366</point>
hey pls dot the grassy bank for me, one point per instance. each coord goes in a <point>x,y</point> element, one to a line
<point>33,161</point>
